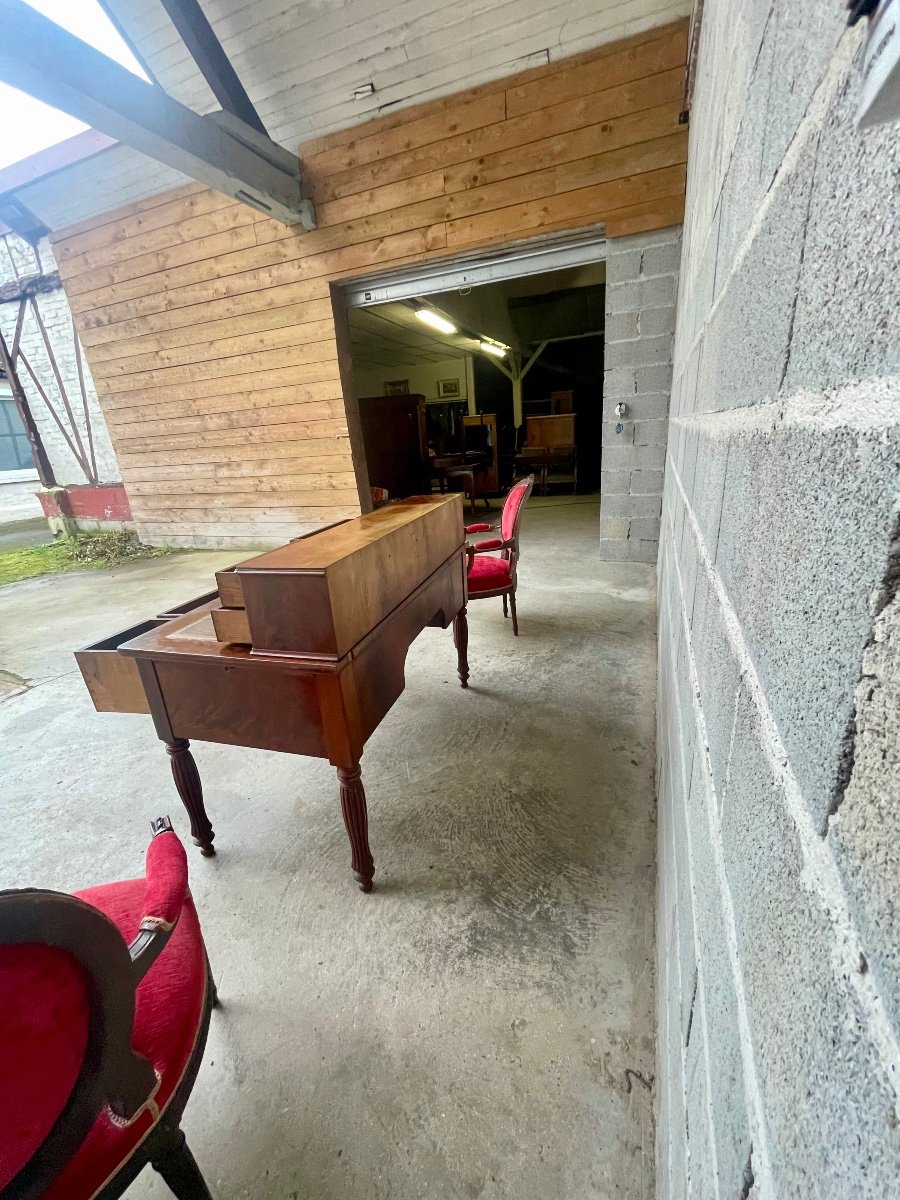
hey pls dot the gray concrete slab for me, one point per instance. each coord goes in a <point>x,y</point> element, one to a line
<point>18,535</point>
<point>466,1030</point>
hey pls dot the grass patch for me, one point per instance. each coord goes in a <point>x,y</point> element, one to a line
<point>84,552</point>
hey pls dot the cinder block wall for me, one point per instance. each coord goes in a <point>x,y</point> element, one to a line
<point>641,281</point>
<point>779,659</point>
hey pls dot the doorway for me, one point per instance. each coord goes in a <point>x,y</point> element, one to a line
<point>494,365</point>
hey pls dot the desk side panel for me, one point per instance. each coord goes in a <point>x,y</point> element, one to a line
<point>379,667</point>
<point>215,702</point>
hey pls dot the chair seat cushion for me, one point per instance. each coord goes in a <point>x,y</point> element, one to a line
<point>488,572</point>
<point>169,1008</point>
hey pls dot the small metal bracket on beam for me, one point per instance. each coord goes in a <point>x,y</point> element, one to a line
<point>277,156</point>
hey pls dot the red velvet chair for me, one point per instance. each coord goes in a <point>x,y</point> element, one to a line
<point>105,999</point>
<point>495,574</point>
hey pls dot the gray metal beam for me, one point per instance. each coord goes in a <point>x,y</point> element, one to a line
<point>50,64</point>
<point>21,220</point>
<point>215,66</point>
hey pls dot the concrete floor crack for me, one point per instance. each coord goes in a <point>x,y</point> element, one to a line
<point>12,684</point>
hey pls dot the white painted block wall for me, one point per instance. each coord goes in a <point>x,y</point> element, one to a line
<point>423,378</point>
<point>18,256</point>
<point>779,630</point>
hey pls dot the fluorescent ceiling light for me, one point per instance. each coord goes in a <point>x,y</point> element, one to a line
<point>435,320</point>
<point>493,348</point>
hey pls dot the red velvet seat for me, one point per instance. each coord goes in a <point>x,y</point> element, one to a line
<point>495,574</point>
<point>45,1024</point>
<point>487,573</point>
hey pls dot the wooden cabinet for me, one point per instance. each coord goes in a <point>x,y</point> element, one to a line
<point>393,429</point>
<point>551,432</point>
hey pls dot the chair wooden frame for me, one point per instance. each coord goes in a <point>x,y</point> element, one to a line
<point>509,550</point>
<point>111,1074</point>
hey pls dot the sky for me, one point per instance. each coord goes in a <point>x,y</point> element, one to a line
<point>28,125</point>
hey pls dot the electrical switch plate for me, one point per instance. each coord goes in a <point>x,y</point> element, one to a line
<point>880,98</point>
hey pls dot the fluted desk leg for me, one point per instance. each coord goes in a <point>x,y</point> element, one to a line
<point>187,781</point>
<point>461,638</point>
<point>353,806</point>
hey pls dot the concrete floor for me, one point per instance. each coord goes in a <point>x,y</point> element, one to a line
<point>470,1029</point>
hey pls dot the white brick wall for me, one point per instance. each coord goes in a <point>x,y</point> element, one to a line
<point>57,318</point>
<point>641,282</point>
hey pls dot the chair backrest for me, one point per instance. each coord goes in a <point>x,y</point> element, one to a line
<point>512,511</point>
<point>66,1012</point>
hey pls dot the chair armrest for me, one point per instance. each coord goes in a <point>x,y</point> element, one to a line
<point>480,527</point>
<point>167,885</point>
<point>491,544</point>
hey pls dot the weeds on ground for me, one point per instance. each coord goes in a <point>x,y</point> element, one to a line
<point>83,552</point>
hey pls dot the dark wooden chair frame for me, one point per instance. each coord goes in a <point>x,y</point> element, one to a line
<point>111,1073</point>
<point>508,549</point>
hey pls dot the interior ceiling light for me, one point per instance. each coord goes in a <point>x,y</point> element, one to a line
<point>435,320</point>
<point>494,348</point>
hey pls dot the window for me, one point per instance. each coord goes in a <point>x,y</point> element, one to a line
<point>15,450</point>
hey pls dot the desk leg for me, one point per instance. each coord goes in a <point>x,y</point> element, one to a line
<point>461,641</point>
<point>187,781</point>
<point>353,806</point>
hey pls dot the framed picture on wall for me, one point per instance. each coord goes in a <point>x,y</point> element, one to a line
<point>396,387</point>
<point>448,389</point>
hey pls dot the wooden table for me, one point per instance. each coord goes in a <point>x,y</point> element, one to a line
<point>319,658</point>
<point>457,466</point>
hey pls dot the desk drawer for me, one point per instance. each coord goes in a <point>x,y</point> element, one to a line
<point>112,678</point>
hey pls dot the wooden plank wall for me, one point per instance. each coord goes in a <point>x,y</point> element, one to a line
<point>210,330</point>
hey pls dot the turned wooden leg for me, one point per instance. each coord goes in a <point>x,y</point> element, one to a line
<point>187,781</point>
<point>512,609</point>
<point>505,606</point>
<point>461,641</point>
<point>179,1169</point>
<point>215,1002</point>
<point>353,806</point>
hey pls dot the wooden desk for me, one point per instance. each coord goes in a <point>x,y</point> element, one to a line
<point>302,650</point>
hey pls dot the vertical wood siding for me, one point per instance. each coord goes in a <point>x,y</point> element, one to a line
<point>209,329</point>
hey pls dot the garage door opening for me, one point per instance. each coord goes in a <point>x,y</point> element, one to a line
<point>470,376</point>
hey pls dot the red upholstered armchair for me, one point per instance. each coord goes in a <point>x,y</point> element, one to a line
<point>495,574</point>
<point>105,999</point>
